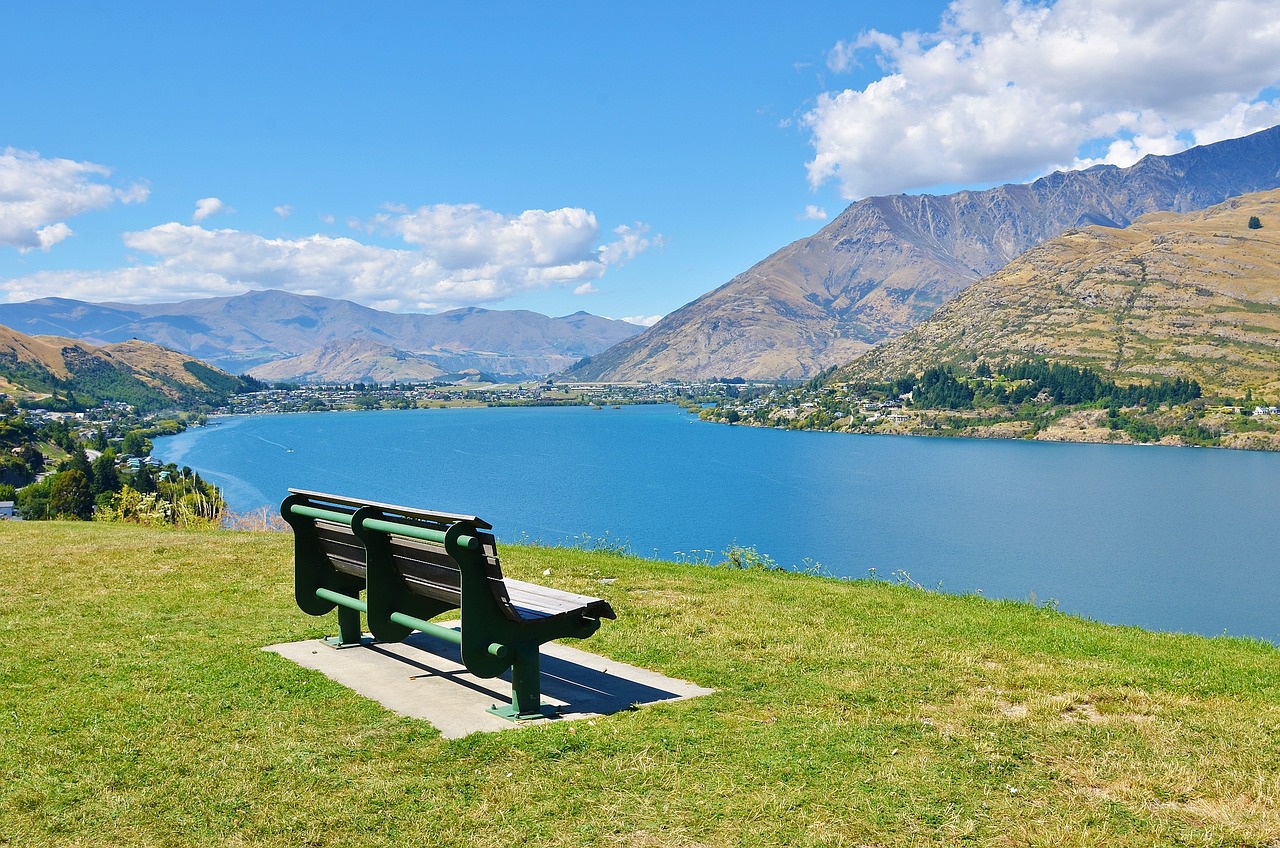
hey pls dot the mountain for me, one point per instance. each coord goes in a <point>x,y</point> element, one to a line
<point>350,361</point>
<point>887,263</point>
<point>242,332</point>
<point>1194,295</point>
<point>145,375</point>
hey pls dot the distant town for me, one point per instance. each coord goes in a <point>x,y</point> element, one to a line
<point>300,398</point>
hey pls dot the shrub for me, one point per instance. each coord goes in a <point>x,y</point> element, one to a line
<point>740,557</point>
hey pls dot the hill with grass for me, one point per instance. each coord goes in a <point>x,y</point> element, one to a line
<point>887,263</point>
<point>1193,296</point>
<point>71,374</point>
<point>141,710</point>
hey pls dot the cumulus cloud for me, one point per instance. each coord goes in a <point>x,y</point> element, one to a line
<point>37,195</point>
<point>643,320</point>
<point>586,288</point>
<point>454,256</point>
<point>205,207</point>
<point>813,213</point>
<point>284,210</point>
<point>631,242</point>
<point>1007,90</point>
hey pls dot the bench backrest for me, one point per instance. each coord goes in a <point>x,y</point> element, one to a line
<point>424,564</point>
<point>422,558</point>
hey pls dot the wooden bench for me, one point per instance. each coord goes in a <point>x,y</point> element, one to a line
<point>414,565</point>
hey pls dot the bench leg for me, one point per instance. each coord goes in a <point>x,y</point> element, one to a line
<point>350,634</point>
<point>526,687</point>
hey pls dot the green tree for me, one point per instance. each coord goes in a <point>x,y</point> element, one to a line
<point>1254,223</point>
<point>136,444</point>
<point>144,479</point>
<point>31,457</point>
<point>78,461</point>
<point>33,500</point>
<point>105,476</point>
<point>70,495</point>
<point>939,389</point>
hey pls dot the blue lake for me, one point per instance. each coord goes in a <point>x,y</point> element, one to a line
<point>1164,538</point>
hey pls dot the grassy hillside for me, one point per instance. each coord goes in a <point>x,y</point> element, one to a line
<point>1194,296</point>
<point>145,375</point>
<point>138,709</point>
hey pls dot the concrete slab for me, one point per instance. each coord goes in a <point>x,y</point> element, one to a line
<point>423,677</point>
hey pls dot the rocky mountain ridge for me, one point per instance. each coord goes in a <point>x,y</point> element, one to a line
<point>887,263</point>
<point>242,333</point>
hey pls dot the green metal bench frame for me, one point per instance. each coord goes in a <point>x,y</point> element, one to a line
<point>414,565</point>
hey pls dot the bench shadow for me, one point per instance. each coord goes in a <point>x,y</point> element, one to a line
<point>581,688</point>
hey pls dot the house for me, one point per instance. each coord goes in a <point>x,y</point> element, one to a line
<point>7,509</point>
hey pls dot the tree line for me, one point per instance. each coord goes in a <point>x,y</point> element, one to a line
<point>939,387</point>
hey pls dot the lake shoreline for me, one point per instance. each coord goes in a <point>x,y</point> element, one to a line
<point>1076,426</point>
<point>1067,429</point>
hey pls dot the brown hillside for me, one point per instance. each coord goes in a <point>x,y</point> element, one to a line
<point>45,351</point>
<point>136,372</point>
<point>1194,295</point>
<point>154,365</point>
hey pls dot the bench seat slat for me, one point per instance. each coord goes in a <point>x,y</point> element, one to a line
<point>534,601</point>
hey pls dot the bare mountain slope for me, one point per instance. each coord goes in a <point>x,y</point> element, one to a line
<point>887,263</point>
<point>1194,295</point>
<point>351,361</point>
<point>241,332</point>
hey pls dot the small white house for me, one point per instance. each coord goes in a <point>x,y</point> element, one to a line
<point>6,509</point>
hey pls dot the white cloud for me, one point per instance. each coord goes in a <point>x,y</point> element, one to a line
<point>1003,91</point>
<point>813,213</point>
<point>586,288</point>
<point>284,210</point>
<point>632,241</point>
<point>642,320</point>
<point>37,195</point>
<point>205,207</point>
<point>455,256</point>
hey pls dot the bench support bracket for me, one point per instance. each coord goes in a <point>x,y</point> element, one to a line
<point>350,634</point>
<point>526,688</point>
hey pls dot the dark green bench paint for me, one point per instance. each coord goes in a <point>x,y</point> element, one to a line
<point>413,565</point>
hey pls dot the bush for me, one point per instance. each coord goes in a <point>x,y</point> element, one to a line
<point>748,558</point>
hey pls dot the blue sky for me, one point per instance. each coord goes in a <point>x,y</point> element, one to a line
<point>622,159</point>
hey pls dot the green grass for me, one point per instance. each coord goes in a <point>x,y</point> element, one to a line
<point>137,709</point>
